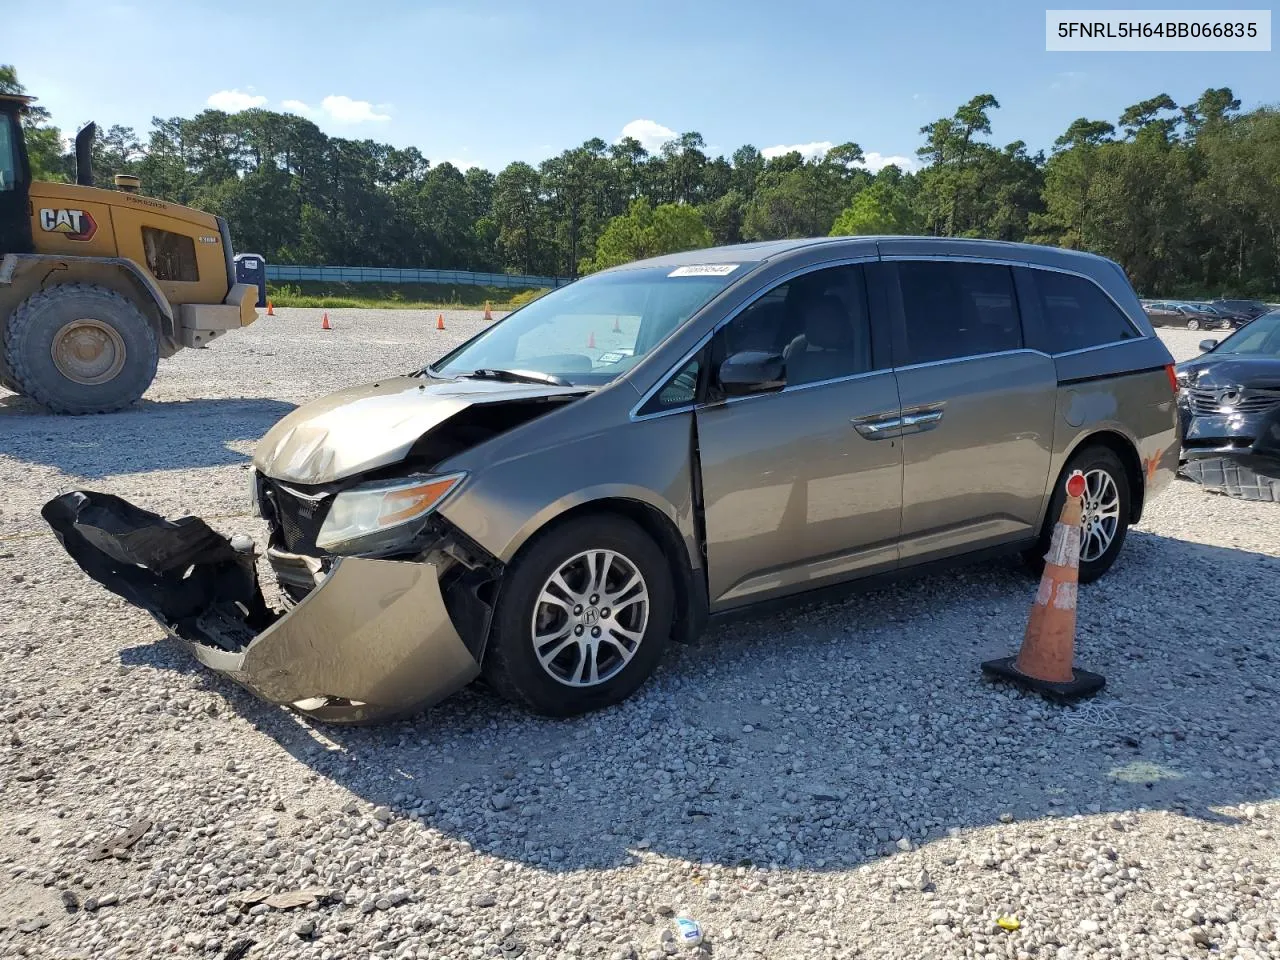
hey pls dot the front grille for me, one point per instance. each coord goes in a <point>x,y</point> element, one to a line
<point>1224,401</point>
<point>296,515</point>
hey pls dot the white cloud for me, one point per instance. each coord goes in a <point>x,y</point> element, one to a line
<point>810,151</point>
<point>463,165</point>
<point>345,110</point>
<point>876,161</point>
<point>650,133</point>
<point>339,109</point>
<point>233,101</point>
<point>872,161</point>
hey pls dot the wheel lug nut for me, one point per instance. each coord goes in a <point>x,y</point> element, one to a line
<point>595,599</point>
<point>595,631</point>
<point>577,611</point>
<point>604,611</point>
<point>577,631</point>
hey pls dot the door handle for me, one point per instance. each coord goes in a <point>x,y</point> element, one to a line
<point>920,422</point>
<point>878,427</point>
<point>921,418</point>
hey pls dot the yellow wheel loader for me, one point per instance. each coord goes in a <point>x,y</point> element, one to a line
<point>97,285</point>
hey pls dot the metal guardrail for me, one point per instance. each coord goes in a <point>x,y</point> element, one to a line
<point>285,271</point>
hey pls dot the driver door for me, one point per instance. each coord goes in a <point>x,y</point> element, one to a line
<point>802,486</point>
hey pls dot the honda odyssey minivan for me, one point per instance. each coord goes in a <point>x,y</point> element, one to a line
<point>655,445</point>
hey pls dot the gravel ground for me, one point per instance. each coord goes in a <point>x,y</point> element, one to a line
<point>835,782</point>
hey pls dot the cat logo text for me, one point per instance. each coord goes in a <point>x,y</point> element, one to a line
<point>72,224</point>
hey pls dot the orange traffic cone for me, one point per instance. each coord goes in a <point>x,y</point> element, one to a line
<point>324,321</point>
<point>591,340</point>
<point>271,310</point>
<point>488,314</point>
<point>440,322</point>
<point>616,327</point>
<point>1048,647</point>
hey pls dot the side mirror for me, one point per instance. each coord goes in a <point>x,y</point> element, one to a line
<point>752,371</point>
<point>1206,346</point>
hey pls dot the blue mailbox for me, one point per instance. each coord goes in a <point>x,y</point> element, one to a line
<point>252,269</point>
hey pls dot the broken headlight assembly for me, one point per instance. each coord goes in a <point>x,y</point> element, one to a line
<point>376,517</point>
<point>255,492</point>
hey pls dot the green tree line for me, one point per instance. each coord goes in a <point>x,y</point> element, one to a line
<point>1186,198</point>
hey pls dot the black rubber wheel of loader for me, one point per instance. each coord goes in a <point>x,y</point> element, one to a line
<point>80,348</point>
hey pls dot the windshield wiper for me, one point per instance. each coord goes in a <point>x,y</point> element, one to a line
<point>516,376</point>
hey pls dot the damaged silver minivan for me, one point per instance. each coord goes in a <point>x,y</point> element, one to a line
<point>680,438</point>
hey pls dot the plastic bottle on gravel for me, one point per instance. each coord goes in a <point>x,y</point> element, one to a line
<point>688,932</point>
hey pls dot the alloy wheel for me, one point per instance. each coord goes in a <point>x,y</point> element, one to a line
<point>590,618</point>
<point>1100,515</point>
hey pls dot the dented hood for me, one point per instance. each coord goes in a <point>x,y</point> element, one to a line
<point>375,424</point>
<point>1232,370</point>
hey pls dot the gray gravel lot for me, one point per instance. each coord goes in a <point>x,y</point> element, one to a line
<point>836,781</point>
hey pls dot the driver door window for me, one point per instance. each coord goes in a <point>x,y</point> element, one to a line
<point>818,323</point>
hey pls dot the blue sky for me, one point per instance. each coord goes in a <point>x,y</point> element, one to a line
<point>491,81</point>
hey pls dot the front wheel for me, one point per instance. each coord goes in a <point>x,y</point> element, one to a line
<point>80,348</point>
<point>1105,517</point>
<point>582,618</point>
<point>1193,324</point>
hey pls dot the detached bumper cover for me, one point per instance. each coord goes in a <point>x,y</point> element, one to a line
<point>1242,477</point>
<point>372,641</point>
<point>1235,454</point>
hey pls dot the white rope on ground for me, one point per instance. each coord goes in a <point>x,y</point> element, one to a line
<point>1095,715</point>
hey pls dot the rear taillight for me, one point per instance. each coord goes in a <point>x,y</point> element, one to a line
<point>1173,377</point>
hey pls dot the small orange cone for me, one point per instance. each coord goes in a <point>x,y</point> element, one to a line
<point>440,322</point>
<point>271,310</point>
<point>488,314</point>
<point>591,340</point>
<point>616,327</point>
<point>324,321</point>
<point>1044,664</point>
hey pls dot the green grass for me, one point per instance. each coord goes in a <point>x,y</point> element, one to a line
<point>406,296</point>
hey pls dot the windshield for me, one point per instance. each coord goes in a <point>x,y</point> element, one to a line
<point>1261,338</point>
<point>593,330</point>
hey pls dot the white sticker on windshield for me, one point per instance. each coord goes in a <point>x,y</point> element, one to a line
<point>705,270</point>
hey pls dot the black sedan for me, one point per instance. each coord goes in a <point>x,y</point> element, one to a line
<point>1248,309</point>
<point>1168,313</point>
<point>1229,411</point>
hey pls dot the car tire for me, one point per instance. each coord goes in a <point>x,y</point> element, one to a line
<point>1095,462</point>
<point>1193,324</point>
<point>558,684</point>
<point>80,348</point>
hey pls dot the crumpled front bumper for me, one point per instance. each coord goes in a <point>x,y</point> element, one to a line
<point>374,640</point>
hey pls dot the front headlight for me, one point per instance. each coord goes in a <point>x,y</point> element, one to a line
<point>372,517</point>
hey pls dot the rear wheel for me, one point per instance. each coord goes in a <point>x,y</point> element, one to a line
<point>1105,519</point>
<point>80,348</point>
<point>582,618</point>
<point>1193,324</point>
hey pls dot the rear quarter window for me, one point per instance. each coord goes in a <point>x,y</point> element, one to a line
<point>1076,314</point>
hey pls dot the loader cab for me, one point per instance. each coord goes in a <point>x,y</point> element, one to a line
<point>15,178</point>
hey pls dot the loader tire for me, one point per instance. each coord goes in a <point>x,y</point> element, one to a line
<point>80,348</point>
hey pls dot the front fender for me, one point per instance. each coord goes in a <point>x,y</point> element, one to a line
<point>502,504</point>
